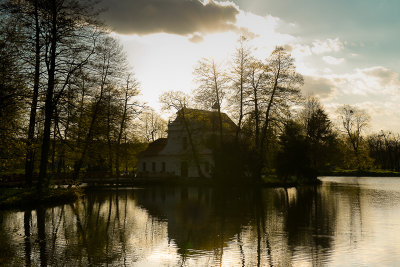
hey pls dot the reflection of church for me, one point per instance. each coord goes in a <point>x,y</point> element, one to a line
<point>188,147</point>
<point>199,219</point>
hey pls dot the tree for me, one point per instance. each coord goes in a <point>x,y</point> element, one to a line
<point>281,86</point>
<point>293,158</point>
<point>211,90</point>
<point>66,28</point>
<point>152,126</point>
<point>12,91</point>
<point>130,91</point>
<point>320,137</point>
<point>107,63</point>
<point>354,121</point>
<point>239,76</point>
<point>384,148</point>
<point>27,14</point>
<point>257,81</point>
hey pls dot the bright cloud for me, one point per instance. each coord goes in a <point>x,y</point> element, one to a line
<point>376,80</point>
<point>374,89</point>
<point>329,45</point>
<point>264,32</point>
<point>333,60</point>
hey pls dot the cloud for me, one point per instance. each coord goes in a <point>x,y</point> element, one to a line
<point>319,86</point>
<point>182,17</point>
<point>333,60</point>
<point>245,32</point>
<point>376,80</point>
<point>329,45</point>
<point>196,38</point>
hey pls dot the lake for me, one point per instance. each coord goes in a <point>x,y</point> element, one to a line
<point>346,221</point>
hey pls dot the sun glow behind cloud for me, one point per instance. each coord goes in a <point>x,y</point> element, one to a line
<point>165,61</point>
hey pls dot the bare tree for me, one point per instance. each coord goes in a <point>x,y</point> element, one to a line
<point>70,32</point>
<point>130,91</point>
<point>282,86</point>
<point>239,76</point>
<point>354,121</point>
<point>257,80</point>
<point>106,63</point>
<point>211,90</point>
<point>152,126</point>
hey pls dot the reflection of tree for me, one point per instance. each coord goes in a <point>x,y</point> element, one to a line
<point>310,222</point>
<point>7,249</point>
<point>189,226</point>
<point>95,231</point>
<point>41,225</point>
<point>27,235</point>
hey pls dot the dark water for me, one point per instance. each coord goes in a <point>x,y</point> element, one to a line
<point>343,222</point>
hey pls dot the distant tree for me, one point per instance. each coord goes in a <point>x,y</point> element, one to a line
<point>354,121</point>
<point>320,136</point>
<point>293,157</point>
<point>384,148</point>
<point>151,125</point>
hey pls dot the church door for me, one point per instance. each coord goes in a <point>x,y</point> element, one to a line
<point>184,169</point>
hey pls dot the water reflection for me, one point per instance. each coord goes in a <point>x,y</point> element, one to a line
<point>334,224</point>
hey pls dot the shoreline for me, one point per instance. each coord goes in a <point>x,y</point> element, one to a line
<point>27,199</point>
<point>361,173</point>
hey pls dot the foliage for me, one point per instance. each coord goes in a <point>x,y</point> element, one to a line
<point>293,158</point>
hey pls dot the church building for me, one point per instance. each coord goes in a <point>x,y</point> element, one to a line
<point>188,150</point>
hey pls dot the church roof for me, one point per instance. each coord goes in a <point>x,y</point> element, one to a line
<point>154,148</point>
<point>207,119</point>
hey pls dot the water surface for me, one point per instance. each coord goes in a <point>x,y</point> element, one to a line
<point>344,222</point>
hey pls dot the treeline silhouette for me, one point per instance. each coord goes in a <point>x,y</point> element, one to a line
<point>68,104</point>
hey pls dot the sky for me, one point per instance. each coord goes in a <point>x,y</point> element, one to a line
<point>347,50</point>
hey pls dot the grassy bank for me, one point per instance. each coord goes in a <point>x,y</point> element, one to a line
<point>366,173</point>
<point>20,198</point>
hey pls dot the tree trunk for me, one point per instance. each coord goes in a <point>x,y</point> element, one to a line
<point>194,150</point>
<point>48,109</point>
<point>121,129</point>
<point>263,140</point>
<point>78,164</point>
<point>30,153</point>
<point>241,107</point>
<point>109,143</point>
